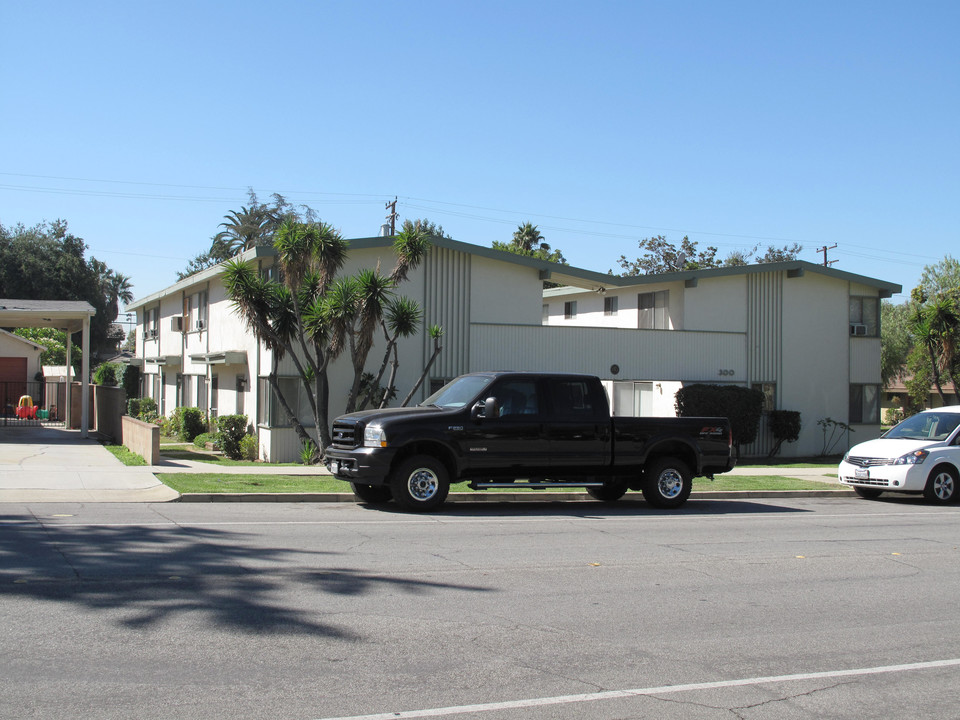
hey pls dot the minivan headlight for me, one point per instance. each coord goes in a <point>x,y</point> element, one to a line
<point>914,458</point>
<point>374,436</point>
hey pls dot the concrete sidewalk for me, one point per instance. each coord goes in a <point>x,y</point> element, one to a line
<point>46,464</point>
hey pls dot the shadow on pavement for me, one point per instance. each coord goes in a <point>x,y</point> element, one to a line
<point>594,509</point>
<point>161,573</point>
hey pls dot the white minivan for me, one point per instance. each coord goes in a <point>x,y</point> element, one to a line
<point>920,455</point>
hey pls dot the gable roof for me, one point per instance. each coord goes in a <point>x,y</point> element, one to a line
<point>36,346</point>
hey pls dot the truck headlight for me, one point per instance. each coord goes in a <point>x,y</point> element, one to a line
<point>914,458</point>
<point>374,436</point>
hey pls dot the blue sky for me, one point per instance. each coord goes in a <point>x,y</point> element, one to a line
<point>736,123</point>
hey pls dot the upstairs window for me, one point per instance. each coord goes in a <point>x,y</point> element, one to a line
<point>610,305</point>
<point>864,316</point>
<point>652,310</point>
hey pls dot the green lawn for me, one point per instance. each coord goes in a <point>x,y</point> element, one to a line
<point>238,483</point>
<point>190,452</point>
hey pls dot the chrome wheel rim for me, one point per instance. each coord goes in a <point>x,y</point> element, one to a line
<point>423,484</point>
<point>943,486</point>
<point>670,483</point>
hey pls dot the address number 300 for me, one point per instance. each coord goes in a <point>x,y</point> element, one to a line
<point>726,373</point>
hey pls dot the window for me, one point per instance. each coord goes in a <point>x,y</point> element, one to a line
<point>545,314</point>
<point>864,405</point>
<point>864,316</point>
<point>517,397</point>
<point>769,391</point>
<point>652,310</point>
<point>195,312</point>
<point>570,310</point>
<point>184,399</point>
<point>214,392</point>
<point>610,305</point>
<point>202,393</point>
<point>240,387</point>
<point>575,399</point>
<point>151,322</point>
<point>271,413</point>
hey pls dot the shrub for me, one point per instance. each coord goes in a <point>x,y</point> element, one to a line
<point>130,380</point>
<point>308,453</point>
<point>105,374</point>
<point>230,431</point>
<point>785,427</point>
<point>202,439</point>
<point>249,447</point>
<point>189,422</point>
<point>742,406</point>
<point>147,408</point>
<point>133,407</point>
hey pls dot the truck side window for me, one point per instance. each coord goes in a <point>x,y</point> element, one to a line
<point>572,398</point>
<point>517,397</point>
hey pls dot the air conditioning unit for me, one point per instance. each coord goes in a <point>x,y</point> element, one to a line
<point>858,329</point>
<point>176,323</point>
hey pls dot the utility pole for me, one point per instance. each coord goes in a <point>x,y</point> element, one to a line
<point>827,263</point>
<point>392,216</point>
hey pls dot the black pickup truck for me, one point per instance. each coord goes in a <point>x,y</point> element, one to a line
<point>533,430</point>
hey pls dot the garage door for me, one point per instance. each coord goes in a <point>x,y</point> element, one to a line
<point>13,369</point>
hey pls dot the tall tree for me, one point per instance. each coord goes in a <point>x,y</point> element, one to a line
<point>46,262</point>
<point>312,315</point>
<point>662,256</point>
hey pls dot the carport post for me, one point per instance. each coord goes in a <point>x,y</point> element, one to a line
<point>85,379</point>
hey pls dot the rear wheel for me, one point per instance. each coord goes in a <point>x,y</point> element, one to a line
<point>420,483</point>
<point>667,483</point>
<point>867,493</point>
<point>373,494</point>
<point>611,491</point>
<point>942,485</point>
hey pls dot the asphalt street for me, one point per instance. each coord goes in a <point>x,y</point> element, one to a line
<point>786,608</point>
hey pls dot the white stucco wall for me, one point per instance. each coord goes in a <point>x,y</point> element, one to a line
<point>716,304</point>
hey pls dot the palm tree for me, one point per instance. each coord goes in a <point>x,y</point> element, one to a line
<point>243,229</point>
<point>529,239</point>
<point>935,328</point>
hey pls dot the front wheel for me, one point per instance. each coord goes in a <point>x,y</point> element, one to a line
<point>868,493</point>
<point>942,485</point>
<point>420,483</point>
<point>667,483</point>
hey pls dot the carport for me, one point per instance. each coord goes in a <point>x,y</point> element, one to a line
<point>72,316</point>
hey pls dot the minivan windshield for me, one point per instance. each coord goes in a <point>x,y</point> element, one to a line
<point>926,426</point>
<point>458,392</point>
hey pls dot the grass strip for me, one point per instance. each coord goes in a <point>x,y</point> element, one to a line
<point>183,453</point>
<point>127,457</point>
<point>241,483</point>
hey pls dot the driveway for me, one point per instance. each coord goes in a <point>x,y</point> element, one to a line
<point>41,464</point>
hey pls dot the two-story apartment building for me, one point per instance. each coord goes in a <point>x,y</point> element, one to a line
<point>807,335</point>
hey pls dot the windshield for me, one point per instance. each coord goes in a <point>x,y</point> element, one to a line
<point>926,426</point>
<point>458,392</point>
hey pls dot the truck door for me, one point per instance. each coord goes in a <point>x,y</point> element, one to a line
<point>514,439</point>
<point>579,425</point>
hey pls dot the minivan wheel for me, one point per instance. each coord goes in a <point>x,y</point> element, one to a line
<point>942,485</point>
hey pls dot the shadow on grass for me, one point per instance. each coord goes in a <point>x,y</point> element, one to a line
<point>162,573</point>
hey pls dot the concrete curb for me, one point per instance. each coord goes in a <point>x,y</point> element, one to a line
<point>492,497</point>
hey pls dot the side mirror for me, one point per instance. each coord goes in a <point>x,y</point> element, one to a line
<point>485,409</point>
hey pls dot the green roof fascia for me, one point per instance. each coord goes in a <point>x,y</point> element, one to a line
<point>794,268</point>
<point>199,278</point>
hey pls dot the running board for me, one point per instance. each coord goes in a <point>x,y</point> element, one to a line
<point>534,485</point>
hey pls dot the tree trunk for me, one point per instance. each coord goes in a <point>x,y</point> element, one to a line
<point>437,347</point>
